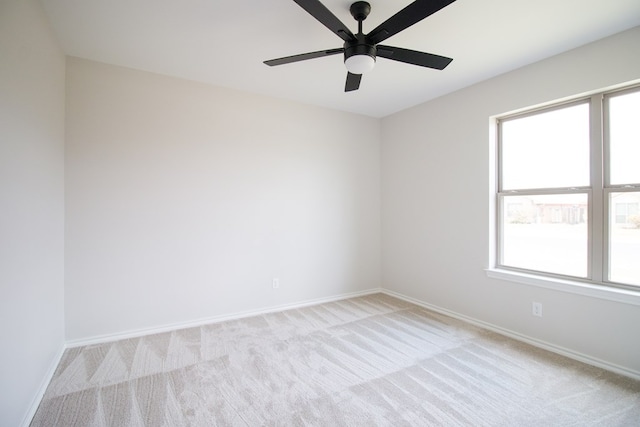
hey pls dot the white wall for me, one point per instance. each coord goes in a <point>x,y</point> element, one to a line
<point>31,207</point>
<point>435,175</point>
<point>185,200</point>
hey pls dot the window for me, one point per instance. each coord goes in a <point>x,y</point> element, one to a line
<point>568,190</point>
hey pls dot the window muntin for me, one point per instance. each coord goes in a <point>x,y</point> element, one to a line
<point>569,190</point>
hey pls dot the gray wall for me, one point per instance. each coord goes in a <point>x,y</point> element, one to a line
<point>31,207</point>
<point>436,203</point>
<point>184,200</point>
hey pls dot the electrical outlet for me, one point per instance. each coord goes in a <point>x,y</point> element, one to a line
<point>536,309</point>
<point>276,283</point>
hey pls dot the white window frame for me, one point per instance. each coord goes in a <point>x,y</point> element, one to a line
<point>596,283</point>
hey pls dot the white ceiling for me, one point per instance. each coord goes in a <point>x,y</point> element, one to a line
<point>223,42</point>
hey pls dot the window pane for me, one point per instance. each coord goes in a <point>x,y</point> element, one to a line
<point>624,138</point>
<point>546,150</point>
<point>624,243</point>
<point>546,233</point>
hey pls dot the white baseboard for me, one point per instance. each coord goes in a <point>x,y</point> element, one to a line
<point>35,402</point>
<point>134,333</point>
<point>524,338</point>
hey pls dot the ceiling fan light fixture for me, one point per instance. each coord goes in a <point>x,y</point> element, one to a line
<point>359,64</point>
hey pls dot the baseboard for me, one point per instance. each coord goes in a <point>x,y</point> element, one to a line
<point>520,337</point>
<point>42,388</point>
<point>134,333</point>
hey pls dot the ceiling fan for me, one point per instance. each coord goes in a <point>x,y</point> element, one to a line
<point>360,50</point>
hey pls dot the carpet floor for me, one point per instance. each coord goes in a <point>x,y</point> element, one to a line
<point>366,361</point>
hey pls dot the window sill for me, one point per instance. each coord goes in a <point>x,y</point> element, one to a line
<point>574,287</point>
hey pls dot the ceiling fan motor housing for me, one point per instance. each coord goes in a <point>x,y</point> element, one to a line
<point>359,46</point>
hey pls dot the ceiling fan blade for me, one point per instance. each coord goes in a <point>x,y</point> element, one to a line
<point>328,19</point>
<point>353,82</point>
<point>413,57</point>
<point>415,12</point>
<point>303,57</point>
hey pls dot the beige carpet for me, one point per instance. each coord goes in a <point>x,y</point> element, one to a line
<point>366,361</point>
